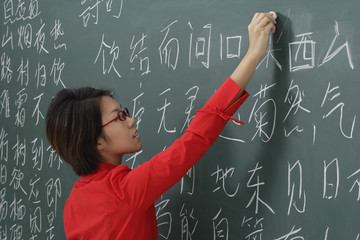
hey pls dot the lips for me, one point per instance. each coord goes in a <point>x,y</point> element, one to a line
<point>136,135</point>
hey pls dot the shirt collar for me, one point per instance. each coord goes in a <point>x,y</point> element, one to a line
<point>102,166</point>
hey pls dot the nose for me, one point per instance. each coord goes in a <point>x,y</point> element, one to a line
<point>131,122</point>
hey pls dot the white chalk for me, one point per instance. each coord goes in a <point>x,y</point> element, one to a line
<point>273,14</point>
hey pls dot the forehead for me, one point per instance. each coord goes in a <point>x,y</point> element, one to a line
<point>109,105</point>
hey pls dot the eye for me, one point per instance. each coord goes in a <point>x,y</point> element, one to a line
<point>122,116</point>
<point>118,117</point>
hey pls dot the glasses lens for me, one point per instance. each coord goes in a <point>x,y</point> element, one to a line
<point>123,114</point>
<point>126,111</point>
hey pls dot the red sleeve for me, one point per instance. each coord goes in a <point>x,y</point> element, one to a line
<point>142,186</point>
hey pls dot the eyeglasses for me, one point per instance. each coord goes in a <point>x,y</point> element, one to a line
<point>121,116</point>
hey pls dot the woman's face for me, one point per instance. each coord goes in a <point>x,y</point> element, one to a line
<point>120,137</point>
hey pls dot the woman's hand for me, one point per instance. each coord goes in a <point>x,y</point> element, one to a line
<point>259,29</point>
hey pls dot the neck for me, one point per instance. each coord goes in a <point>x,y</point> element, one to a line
<point>116,160</point>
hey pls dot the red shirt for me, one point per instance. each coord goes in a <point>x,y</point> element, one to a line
<point>117,202</point>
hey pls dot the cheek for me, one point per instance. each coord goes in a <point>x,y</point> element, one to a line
<point>120,137</point>
<point>123,139</point>
<point>116,136</point>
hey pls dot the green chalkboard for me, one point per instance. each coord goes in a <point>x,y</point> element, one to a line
<point>291,172</point>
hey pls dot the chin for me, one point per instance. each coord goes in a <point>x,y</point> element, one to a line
<point>140,147</point>
<point>137,149</point>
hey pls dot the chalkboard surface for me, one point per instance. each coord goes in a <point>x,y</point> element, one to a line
<point>291,172</point>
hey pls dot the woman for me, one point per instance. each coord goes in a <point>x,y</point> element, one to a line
<point>92,132</point>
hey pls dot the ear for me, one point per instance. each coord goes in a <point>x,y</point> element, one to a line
<point>100,144</point>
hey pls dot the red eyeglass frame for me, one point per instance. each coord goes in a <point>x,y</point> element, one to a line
<point>122,115</point>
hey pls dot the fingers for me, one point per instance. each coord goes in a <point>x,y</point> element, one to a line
<point>258,17</point>
<point>259,29</point>
<point>267,24</point>
<point>264,20</point>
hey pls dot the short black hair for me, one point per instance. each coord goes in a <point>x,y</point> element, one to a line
<point>73,126</point>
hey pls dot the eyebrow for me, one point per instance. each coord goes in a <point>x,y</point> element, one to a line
<point>115,110</point>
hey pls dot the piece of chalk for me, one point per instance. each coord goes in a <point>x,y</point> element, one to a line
<point>273,14</point>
